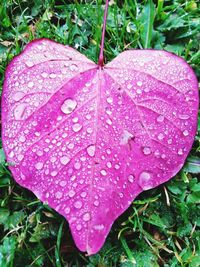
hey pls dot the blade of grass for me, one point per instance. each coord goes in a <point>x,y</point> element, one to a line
<point>147,18</point>
<point>57,249</point>
<point>127,250</point>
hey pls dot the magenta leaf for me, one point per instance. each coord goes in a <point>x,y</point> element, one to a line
<point>88,139</point>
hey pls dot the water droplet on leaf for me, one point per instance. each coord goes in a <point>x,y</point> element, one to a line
<point>160,118</point>
<point>139,83</point>
<point>183,116</point>
<point>185,133</point>
<point>131,178</point>
<point>78,204</point>
<point>180,151</point>
<point>39,165</point>
<point>145,180</point>
<point>91,150</point>
<point>103,172</point>
<point>67,210</point>
<point>68,106</point>
<point>71,193</point>
<point>76,127</point>
<point>64,160</point>
<point>59,195</point>
<point>30,84</point>
<point>19,111</point>
<point>160,136</point>
<point>86,217</point>
<point>146,150</point>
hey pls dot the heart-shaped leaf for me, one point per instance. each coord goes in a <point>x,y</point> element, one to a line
<point>88,139</point>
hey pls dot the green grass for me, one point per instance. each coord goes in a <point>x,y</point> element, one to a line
<point>162,226</point>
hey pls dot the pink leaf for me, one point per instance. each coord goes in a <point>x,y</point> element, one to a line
<point>88,139</point>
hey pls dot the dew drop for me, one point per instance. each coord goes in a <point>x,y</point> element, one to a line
<point>63,183</point>
<point>64,135</point>
<point>88,117</point>
<point>64,160</point>
<point>169,141</point>
<point>44,75</point>
<point>18,96</point>
<point>146,150</point>
<point>34,123</point>
<point>99,227</point>
<point>11,154</point>
<point>39,165</point>
<point>58,195</point>
<point>109,164</point>
<point>109,100</point>
<point>78,227</point>
<point>121,195</point>
<point>76,127</point>
<point>46,172</point>
<point>131,178</point>
<point>108,151</point>
<point>183,116</point>
<point>139,83</point>
<point>88,84</point>
<point>67,210</point>
<point>71,193</point>
<point>83,194</point>
<point>29,63</point>
<point>53,159</point>
<point>103,172</point>
<point>83,158</point>
<point>75,119</point>
<point>146,89</point>
<point>22,138</point>
<point>109,122</point>
<point>125,137</point>
<point>86,217</point>
<point>77,166</point>
<point>20,157</point>
<point>70,145</point>
<point>144,180</point>
<point>37,134</point>
<point>96,203</point>
<point>68,106</point>
<point>78,204</point>
<point>19,111</point>
<point>30,84</point>
<point>52,75</point>
<point>108,111</point>
<point>157,153</point>
<point>91,150</point>
<point>180,152</point>
<point>160,136</point>
<point>73,67</point>
<point>54,173</point>
<point>160,118</point>
<point>185,133</point>
<point>129,86</point>
<point>89,130</point>
<point>117,166</point>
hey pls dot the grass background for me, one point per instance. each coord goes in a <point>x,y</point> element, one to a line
<point>162,226</point>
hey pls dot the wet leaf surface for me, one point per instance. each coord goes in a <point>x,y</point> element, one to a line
<point>88,140</point>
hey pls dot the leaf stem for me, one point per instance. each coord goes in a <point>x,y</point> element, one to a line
<point>101,56</point>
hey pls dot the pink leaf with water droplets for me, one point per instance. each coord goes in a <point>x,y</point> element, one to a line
<point>88,139</point>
